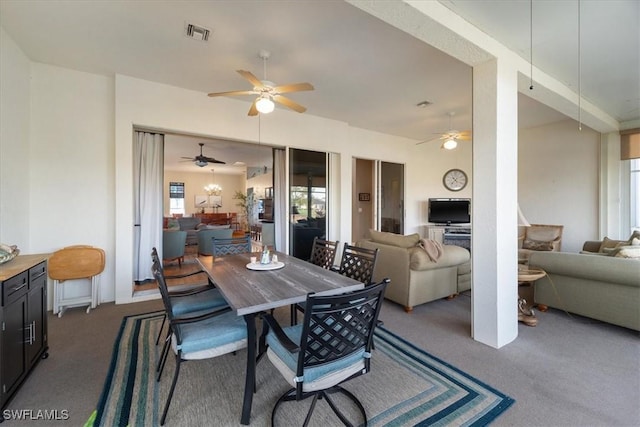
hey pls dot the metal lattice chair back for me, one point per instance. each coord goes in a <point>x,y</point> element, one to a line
<point>333,346</point>
<point>338,326</point>
<point>323,252</point>
<point>358,263</point>
<point>233,246</point>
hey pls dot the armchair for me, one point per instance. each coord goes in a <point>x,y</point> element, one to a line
<point>173,243</point>
<point>539,237</point>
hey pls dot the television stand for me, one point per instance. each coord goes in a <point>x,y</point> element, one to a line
<point>459,235</point>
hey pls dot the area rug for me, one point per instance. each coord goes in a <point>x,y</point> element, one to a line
<point>406,386</point>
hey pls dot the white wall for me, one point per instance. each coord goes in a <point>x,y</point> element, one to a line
<point>72,195</point>
<point>558,179</point>
<point>15,73</point>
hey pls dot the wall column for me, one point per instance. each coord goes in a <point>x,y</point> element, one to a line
<point>494,203</point>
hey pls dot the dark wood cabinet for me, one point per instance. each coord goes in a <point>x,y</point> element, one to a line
<point>23,320</point>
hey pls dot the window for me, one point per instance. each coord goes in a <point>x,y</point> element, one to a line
<point>634,192</point>
<point>176,198</point>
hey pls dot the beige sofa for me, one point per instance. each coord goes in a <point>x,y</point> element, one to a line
<point>415,278</point>
<point>606,288</point>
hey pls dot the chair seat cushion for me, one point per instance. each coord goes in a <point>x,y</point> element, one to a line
<point>211,298</point>
<point>212,337</point>
<point>315,378</point>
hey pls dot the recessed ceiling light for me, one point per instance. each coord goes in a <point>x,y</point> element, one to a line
<point>423,104</point>
<point>197,32</point>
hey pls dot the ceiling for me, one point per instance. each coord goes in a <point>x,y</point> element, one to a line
<point>365,72</point>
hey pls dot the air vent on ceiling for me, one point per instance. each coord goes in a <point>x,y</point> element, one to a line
<point>198,33</point>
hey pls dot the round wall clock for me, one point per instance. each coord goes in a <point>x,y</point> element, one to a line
<point>454,179</point>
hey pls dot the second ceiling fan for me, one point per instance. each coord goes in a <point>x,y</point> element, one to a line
<point>267,91</point>
<point>451,137</point>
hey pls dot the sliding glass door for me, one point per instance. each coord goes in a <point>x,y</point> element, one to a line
<point>391,197</point>
<point>307,200</point>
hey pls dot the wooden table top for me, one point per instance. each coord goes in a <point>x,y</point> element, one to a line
<point>20,264</point>
<point>250,291</point>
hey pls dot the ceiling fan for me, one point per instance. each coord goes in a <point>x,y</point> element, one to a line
<point>267,91</point>
<point>202,160</point>
<point>451,137</point>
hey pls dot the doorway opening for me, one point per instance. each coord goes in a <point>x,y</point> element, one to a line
<point>377,198</point>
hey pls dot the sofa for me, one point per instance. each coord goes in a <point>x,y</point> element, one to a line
<point>415,278</point>
<point>601,285</point>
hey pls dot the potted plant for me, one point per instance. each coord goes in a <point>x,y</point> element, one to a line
<point>245,203</point>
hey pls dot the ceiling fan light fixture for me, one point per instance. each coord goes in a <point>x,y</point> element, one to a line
<point>201,163</point>
<point>450,144</point>
<point>265,105</point>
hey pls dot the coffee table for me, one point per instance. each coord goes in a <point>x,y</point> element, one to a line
<point>526,276</point>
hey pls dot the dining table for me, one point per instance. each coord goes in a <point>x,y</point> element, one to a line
<point>252,288</point>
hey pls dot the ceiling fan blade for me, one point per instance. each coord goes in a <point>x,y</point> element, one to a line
<point>213,160</point>
<point>252,79</point>
<point>233,93</point>
<point>187,158</point>
<point>427,140</point>
<point>295,87</point>
<point>289,103</point>
<point>253,111</point>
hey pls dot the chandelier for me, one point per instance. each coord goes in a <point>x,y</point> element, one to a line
<point>213,189</point>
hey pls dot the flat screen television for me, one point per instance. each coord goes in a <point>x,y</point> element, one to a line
<point>450,211</point>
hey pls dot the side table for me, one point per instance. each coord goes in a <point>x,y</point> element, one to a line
<point>526,276</point>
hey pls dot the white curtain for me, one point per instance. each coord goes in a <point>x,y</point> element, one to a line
<point>280,198</point>
<point>148,165</point>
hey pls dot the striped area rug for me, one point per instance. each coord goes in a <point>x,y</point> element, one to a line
<point>406,386</point>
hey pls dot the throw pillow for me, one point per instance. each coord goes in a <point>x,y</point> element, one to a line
<point>634,235</point>
<point>628,252</point>
<point>608,243</point>
<point>173,224</point>
<point>393,239</point>
<point>536,245</point>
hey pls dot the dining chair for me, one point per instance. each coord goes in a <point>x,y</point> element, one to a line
<point>323,252</point>
<point>233,246</point>
<point>198,336</point>
<point>331,346</point>
<point>188,301</point>
<point>358,263</point>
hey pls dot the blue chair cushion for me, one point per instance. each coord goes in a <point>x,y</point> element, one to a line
<point>211,298</point>
<point>291,359</point>
<point>215,332</point>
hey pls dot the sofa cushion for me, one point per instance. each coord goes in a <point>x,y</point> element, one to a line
<point>408,241</point>
<point>537,245</point>
<point>188,223</point>
<point>451,255</point>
